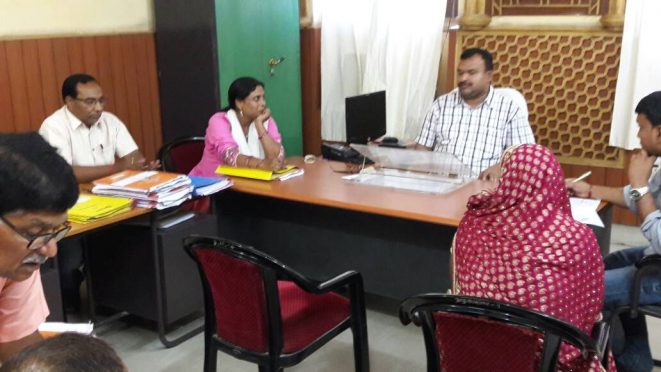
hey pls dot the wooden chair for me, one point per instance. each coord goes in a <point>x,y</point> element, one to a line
<point>260,310</point>
<point>464,333</point>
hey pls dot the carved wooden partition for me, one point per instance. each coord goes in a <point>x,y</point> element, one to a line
<point>568,79</point>
<point>32,71</point>
<point>568,76</point>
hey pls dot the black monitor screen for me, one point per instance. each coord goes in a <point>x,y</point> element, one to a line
<point>366,117</point>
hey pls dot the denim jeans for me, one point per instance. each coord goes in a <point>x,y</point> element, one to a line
<point>632,351</point>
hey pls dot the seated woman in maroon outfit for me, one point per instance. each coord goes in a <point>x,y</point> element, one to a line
<point>520,244</point>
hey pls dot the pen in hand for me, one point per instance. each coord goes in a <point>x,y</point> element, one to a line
<point>582,177</point>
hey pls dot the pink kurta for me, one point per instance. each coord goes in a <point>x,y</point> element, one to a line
<point>22,307</point>
<point>220,147</point>
<point>521,245</point>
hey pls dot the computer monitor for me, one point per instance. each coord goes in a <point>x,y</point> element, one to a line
<point>366,117</point>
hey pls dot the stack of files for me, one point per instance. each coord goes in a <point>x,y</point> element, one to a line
<point>209,185</point>
<point>90,208</point>
<point>289,171</point>
<point>149,189</point>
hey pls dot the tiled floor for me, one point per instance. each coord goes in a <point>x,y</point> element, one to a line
<point>393,347</point>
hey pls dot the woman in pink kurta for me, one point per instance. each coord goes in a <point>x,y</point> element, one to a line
<point>519,244</point>
<point>244,134</point>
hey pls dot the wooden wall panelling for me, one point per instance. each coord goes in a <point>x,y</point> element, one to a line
<point>50,87</point>
<point>90,55</point>
<point>32,71</point>
<point>17,86</point>
<point>119,100</point>
<point>311,89</point>
<point>33,81</point>
<point>60,59</point>
<point>131,87</point>
<point>141,51</point>
<point>6,101</point>
<point>75,52</point>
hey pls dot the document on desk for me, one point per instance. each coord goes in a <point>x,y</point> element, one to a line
<point>404,180</point>
<point>441,164</point>
<point>585,211</point>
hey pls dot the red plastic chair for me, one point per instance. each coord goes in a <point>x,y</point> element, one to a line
<point>181,156</point>
<point>260,310</point>
<point>465,334</point>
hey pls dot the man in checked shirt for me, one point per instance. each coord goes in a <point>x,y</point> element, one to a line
<point>475,122</point>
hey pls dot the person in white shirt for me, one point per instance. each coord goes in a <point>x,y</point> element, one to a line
<point>475,122</point>
<point>95,142</point>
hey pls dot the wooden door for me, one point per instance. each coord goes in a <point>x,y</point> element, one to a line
<point>249,34</point>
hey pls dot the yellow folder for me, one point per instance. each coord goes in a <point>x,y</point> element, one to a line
<point>93,207</point>
<point>258,174</point>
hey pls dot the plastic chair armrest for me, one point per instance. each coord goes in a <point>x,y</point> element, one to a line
<point>651,260</point>
<point>645,265</point>
<point>601,334</point>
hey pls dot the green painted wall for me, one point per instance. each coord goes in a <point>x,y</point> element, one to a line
<point>250,32</point>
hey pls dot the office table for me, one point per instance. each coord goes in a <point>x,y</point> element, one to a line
<point>77,228</point>
<point>135,267</point>
<point>322,225</point>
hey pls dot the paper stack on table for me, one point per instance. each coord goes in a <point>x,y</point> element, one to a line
<point>90,208</point>
<point>149,189</point>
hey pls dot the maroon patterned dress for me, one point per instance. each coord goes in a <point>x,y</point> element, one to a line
<point>520,244</point>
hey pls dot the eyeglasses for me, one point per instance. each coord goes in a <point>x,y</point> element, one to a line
<point>37,241</point>
<point>92,101</point>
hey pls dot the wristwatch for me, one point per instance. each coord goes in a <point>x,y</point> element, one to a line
<point>638,193</point>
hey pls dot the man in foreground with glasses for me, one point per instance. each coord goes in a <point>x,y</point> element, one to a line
<point>95,142</point>
<point>37,187</point>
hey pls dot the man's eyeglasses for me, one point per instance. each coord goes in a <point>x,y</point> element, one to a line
<point>37,241</point>
<point>92,101</point>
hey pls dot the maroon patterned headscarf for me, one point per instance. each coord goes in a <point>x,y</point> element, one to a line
<point>520,244</point>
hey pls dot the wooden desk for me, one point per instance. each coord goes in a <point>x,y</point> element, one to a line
<point>322,225</point>
<point>320,185</point>
<point>77,228</point>
<point>140,269</point>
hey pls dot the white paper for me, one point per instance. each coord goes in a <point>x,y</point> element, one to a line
<point>403,180</point>
<point>291,175</point>
<point>585,211</point>
<point>57,327</point>
<point>82,199</point>
<point>135,178</point>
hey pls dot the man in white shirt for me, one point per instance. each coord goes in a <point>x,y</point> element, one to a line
<point>475,122</point>
<point>95,142</point>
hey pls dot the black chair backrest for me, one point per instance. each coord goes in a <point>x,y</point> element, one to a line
<point>428,309</point>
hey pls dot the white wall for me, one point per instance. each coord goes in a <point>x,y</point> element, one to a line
<point>21,19</point>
